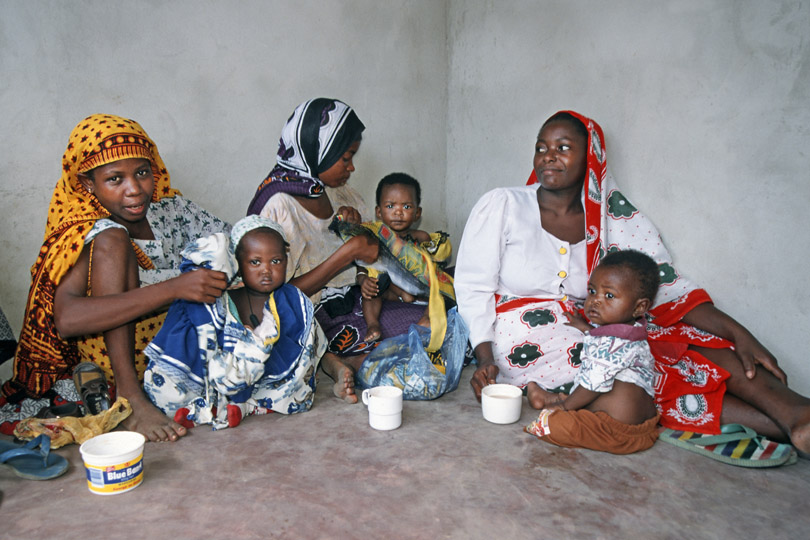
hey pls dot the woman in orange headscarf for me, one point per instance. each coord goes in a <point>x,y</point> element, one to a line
<point>106,272</point>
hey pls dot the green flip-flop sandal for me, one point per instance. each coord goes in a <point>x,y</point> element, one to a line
<point>736,445</point>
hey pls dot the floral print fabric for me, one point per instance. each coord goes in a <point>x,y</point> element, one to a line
<point>175,222</point>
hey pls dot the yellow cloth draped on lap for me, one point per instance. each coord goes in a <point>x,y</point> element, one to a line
<point>421,261</point>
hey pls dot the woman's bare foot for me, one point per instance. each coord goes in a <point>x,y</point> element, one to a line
<point>150,422</point>
<point>373,333</point>
<point>539,398</point>
<point>800,437</point>
<point>342,374</point>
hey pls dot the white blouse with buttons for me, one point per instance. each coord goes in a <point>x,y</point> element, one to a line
<point>506,251</point>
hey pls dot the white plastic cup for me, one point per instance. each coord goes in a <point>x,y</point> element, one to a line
<point>501,403</point>
<point>384,407</point>
<point>114,462</point>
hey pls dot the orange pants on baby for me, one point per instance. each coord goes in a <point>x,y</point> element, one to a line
<point>593,430</point>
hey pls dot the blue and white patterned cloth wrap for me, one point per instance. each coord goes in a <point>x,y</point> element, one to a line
<point>204,358</point>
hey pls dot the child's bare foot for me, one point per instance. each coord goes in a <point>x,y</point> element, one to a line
<point>342,374</point>
<point>374,332</point>
<point>539,398</point>
<point>425,319</point>
<point>147,420</point>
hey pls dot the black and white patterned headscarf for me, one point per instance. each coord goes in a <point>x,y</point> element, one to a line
<point>316,135</point>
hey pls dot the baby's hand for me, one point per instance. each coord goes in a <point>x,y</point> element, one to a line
<point>369,288</point>
<point>577,321</point>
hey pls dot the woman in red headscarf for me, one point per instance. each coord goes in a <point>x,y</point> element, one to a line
<point>524,261</point>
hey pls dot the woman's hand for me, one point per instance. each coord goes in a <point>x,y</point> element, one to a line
<point>117,298</point>
<point>487,370</point>
<point>751,352</point>
<point>748,349</point>
<point>364,248</point>
<point>201,285</point>
<point>349,214</point>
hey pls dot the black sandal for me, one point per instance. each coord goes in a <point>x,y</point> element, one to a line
<point>92,387</point>
<point>70,408</point>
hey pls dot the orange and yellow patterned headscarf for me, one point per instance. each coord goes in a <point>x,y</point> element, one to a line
<point>97,140</point>
<point>42,357</point>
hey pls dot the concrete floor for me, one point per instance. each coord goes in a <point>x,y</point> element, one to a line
<point>446,473</point>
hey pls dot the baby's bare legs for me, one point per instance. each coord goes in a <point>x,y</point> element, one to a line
<point>395,294</point>
<point>371,313</point>
<point>425,319</point>
<point>342,370</point>
<point>542,399</point>
<point>625,402</point>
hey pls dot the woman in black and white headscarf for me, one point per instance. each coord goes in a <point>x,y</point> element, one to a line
<point>303,193</point>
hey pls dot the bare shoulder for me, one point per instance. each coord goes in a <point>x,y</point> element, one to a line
<point>109,242</point>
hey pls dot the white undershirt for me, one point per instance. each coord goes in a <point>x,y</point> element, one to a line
<point>311,242</point>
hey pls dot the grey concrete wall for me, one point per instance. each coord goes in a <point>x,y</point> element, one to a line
<point>705,106</point>
<point>212,83</point>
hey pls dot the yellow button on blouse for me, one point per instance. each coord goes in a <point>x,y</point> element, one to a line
<point>563,251</point>
<point>562,273</point>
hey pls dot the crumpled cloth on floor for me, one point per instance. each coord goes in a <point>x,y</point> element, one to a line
<point>71,429</point>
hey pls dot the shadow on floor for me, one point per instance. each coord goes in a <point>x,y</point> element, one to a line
<point>446,473</point>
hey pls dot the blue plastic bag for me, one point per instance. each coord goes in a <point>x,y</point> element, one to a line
<point>402,361</point>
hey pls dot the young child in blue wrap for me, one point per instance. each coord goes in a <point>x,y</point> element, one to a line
<point>254,351</point>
